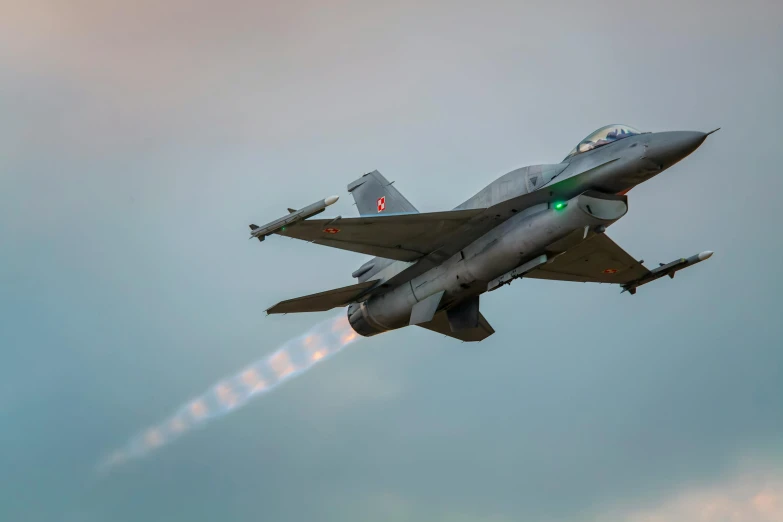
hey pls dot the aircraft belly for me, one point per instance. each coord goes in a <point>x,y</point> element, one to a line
<point>452,279</point>
<point>518,240</point>
<point>393,309</point>
<point>522,238</point>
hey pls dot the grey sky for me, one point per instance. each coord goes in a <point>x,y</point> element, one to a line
<point>138,141</point>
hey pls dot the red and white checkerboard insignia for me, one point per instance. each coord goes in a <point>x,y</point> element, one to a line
<point>610,271</point>
<point>331,230</point>
<point>381,203</point>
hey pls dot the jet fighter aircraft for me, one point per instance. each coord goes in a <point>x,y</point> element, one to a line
<point>540,221</point>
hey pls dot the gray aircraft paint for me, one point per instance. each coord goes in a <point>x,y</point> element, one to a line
<point>537,213</point>
<point>468,273</point>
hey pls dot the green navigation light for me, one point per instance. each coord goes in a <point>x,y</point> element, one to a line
<point>560,205</point>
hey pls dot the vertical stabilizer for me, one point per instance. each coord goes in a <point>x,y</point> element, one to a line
<point>374,195</point>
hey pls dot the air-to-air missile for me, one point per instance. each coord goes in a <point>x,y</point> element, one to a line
<point>293,216</point>
<point>668,269</point>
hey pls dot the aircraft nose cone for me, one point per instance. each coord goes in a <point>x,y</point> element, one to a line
<point>667,148</point>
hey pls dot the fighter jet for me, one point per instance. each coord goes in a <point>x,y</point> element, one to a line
<point>541,221</point>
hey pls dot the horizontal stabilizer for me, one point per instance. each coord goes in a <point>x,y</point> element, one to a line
<point>321,301</point>
<point>440,324</point>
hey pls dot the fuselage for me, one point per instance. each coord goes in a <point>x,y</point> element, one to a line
<point>560,209</point>
<point>636,159</point>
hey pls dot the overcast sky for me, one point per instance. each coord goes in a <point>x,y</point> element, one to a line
<point>139,139</point>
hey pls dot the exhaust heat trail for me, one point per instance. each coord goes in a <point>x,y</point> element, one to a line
<point>293,358</point>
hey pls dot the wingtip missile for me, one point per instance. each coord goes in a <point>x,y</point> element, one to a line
<point>291,218</point>
<point>253,228</point>
<point>667,269</point>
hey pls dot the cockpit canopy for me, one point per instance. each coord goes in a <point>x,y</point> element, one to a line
<point>603,136</point>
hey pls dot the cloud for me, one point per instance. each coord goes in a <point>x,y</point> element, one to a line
<point>750,496</point>
<point>139,139</point>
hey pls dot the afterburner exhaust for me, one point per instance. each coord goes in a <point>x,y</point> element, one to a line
<point>293,358</point>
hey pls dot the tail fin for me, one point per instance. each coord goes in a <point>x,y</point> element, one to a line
<point>374,194</point>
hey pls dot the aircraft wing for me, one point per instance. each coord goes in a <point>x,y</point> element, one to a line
<point>440,324</point>
<point>322,301</point>
<point>404,237</point>
<point>488,218</point>
<point>596,260</point>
